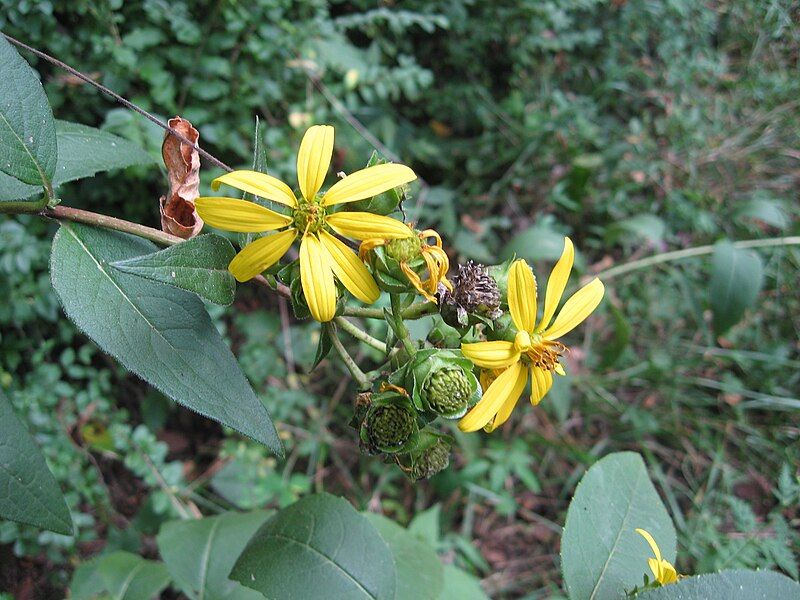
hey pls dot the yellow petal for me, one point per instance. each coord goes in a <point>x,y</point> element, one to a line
<point>367,183</point>
<point>261,254</point>
<point>239,215</point>
<point>541,382</point>
<point>258,184</point>
<point>509,384</point>
<point>491,355</point>
<point>576,309</point>
<point>316,277</point>
<point>652,542</point>
<point>363,226</point>
<point>314,158</point>
<point>522,296</point>
<point>668,573</point>
<point>557,282</point>
<point>349,269</point>
<point>655,567</point>
<point>506,409</point>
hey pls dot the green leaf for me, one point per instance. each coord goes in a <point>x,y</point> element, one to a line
<point>119,576</point>
<point>27,130</point>
<point>538,242</point>
<point>728,585</point>
<point>324,347</point>
<point>319,547</point>
<point>28,491</point>
<point>198,265</point>
<point>459,585</point>
<point>736,279</point>
<point>601,554</point>
<point>159,332</point>
<point>418,570</point>
<point>425,525</point>
<point>82,152</point>
<point>199,554</point>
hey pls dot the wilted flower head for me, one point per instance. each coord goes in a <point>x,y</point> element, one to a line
<point>474,292</point>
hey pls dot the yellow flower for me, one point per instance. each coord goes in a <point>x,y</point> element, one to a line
<point>662,569</point>
<point>436,260</point>
<point>534,348</point>
<point>322,255</point>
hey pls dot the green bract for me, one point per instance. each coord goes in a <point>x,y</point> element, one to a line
<point>429,455</point>
<point>386,265</point>
<point>440,382</point>
<point>390,424</point>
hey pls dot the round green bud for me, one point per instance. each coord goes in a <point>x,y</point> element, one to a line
<point>433,459</point>
<point>389,427</point>
<point>448,391</point>
<point>405,249</point>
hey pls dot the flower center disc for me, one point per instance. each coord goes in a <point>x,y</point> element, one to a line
<point>309,216</point>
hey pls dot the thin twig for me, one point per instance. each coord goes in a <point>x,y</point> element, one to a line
<point>359,334</point>
<point>120,99</point>
<point>691,252</point>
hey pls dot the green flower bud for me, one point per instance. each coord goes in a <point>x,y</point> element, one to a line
<point>404,250</point>
<point>429,455</point>
<point>383,203</point>
<point>448,391</point>
<point>390,424</point>
<point>441,382</point>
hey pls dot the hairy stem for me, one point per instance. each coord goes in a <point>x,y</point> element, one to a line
<point>118,98</point>
<point>415,311</point>
<point>400,328</point>
<point>361,379</point>
<point>359,334</point>
<point>689,253</point>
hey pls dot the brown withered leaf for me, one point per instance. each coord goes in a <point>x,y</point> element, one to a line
<point>178,213</point>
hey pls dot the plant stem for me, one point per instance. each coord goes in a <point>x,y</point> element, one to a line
<point>625,268</point>
<point>400,328</point>
<point>415,311</point>
<point>361,379</point>
<point>120,99</point>
<point>359,334</point>
<point>67,213</point>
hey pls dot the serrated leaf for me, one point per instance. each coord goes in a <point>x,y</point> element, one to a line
<point>82,152</point>
<point>119,576</point>
<point>27,130</point>
<point>728,585</point>
<point>418,570</point>
<point>199,554</point>
<point>319,547</point>
<point>159,332</point>
<point>28,491</point>
<point>198,265</point>
<point>736,279</point>
<point>459,585</point>
<point>602,556</point>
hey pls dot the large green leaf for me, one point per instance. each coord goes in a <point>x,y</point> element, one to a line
<point>159,332</point>
<point>119,576</point>
<point>736,279</point>
<point>418,570</point>
<point>82,152</point>
<point>459,585</point>
<point>729,585</point>
<point>28,491</point>
<point>601,554</point>
<point>27,131</point>
<point>199,554</point>
<point>198,265</point>
<point>319,547</point>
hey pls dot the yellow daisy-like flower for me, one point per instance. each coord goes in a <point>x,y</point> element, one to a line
<point>662,569</point>
<point>322,254</point>
<point>534,348</point>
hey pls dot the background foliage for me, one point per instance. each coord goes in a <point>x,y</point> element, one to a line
<point>632,126</point>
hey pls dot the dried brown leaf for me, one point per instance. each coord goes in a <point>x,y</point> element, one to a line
<point>178,213</point>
